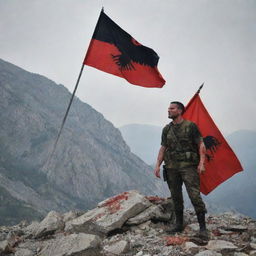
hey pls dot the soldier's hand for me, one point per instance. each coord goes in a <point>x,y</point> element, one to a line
<point>157,172</point>
<point>201,168</point>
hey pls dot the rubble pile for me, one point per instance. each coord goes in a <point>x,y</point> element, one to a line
<point>129,224</point>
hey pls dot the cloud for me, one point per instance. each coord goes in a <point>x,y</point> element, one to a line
<point>198,41</point>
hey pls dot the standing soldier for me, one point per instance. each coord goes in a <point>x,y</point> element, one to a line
<point>183,152</point>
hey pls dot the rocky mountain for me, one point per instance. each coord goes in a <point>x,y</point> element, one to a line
<point>91,162</point>
<point>237,193</point>
<point>129,224</point>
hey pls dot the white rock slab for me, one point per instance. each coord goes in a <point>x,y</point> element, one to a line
<point>152,212</point>
<point>70,215</point>
<point>52,222</point>
<point>218,245</point>
<point>240,254</point>
<point>117,248</point>
<point>208,253</point>
<point>190,245</point>
<point>24,252</point>
<point>110,214</point>
<point>73,245</point>
<point>4,247</point>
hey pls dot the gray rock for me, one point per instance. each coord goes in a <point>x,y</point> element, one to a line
<point>236,228</point>
<point>32,228</point>
<point>218,245</point>
<point>253,245</point>
<point>252,253</point>
<point>24,252</point>
<point>208,253</point>
<point>73,245</point>
<point>5,247</point>
<point>70,215</point>
<point>191,248</point>
<point>240,254</point>
<point>52,222</point>
<point>153,212</point>
<point>194,227</point>
<point>110,214</point>
<point>118,248</point>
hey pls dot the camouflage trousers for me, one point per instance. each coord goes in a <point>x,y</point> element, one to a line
<point>190,177</point>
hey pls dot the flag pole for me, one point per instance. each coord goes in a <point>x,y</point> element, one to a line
<point>201,86</point>
<point>67,111</point>
<point>195,95</point>
<point>66,114</point>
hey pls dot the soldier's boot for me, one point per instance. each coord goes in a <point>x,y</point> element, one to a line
<point>179,223</point>
<point>203,232</point>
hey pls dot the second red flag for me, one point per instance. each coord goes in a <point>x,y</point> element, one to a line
<point>221,161</point>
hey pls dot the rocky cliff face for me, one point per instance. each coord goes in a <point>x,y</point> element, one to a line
<point>129,224</point>
<point>91,161</point>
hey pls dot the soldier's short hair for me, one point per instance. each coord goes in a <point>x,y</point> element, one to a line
<point>180,105</point>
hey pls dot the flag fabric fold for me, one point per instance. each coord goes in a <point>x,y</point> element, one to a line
<point>221,162</point>
<point>114,51</point>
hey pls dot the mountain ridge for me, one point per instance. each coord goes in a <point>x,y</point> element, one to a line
<point>91,161</point>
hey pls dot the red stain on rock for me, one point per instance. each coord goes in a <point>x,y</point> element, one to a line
<point>113,204</point>
<point>98,216</point>
<point>155,199</point>
<point>216,232</point>
<point>175,240</point>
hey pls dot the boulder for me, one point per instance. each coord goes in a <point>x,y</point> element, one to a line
<point>117,248</point>
<point>5,247</point>
<point>110,214</point>
<point>208,253</point>
<point>31,229</point>
<point>219,245</point>
<point>73,245</point>
<point>236,228</point>
<point>52,222</point>
<point>191,247</point>
<point>70,215</point>
<point>240,254</point>
<point>24,252</point>
<point>154,212</point>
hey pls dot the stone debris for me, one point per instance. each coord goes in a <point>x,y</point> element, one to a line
<point>110,214</point>
<point>129,224</point>
<point>218,245</point>
<point>52,222</point>
<point>208,253</point>
<point>74,244</point>
<point>117,248</point>
<point>24,252</point>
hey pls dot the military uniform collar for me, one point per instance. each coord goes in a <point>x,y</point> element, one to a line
<point>179,124</point>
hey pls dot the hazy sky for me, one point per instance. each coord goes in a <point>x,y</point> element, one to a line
<point>197,41</point>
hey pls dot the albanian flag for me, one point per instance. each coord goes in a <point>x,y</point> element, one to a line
<point>114,51</point>
<point>221,162</point>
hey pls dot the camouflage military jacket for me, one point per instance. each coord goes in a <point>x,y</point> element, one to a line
<point>182,143</point>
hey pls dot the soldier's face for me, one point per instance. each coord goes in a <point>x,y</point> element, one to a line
<point>174,111</point>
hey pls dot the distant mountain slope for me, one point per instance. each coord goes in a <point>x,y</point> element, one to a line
<point>144,140</point>
<point>91,162</point>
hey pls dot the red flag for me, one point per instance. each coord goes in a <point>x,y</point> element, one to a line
<point>221,161</point>
<point>114,51</point>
